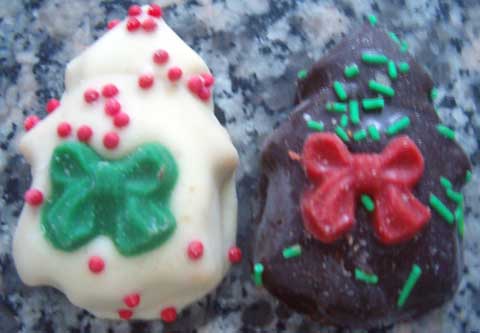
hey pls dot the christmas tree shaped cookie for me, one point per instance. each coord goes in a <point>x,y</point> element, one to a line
<point>362,216</point>
<point>132,207</point>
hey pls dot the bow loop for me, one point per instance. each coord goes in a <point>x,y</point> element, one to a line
<point>70,222</point>
<point>401,217</point>
<point>149,170</point>
<point>402,162</point>
<point>71,162</point>
<point>340,178</point>
<point>330,224</point>
<point>323,155</point>
<point>142,226</point>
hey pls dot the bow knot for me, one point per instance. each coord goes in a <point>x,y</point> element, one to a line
<point>366,178</point>
<point>125,199</point>
<point>107,180</point>
<point>341,177</point>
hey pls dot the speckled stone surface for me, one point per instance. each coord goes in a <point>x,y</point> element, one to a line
<point>254,48</point>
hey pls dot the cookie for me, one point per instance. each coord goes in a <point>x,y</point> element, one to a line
<point>361,217</point>
<point>132,207</point>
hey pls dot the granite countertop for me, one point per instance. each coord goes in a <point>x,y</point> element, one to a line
<point>255,48</point>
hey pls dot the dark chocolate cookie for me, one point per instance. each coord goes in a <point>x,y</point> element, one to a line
<point>361,220</point>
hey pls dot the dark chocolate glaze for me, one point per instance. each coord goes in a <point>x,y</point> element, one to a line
<point>321,282</point>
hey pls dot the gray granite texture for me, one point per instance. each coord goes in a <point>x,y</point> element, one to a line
<point>254,48</point>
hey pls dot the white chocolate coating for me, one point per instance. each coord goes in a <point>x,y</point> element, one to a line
<point>203,201</point>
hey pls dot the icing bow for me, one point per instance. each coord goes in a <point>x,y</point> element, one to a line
<point>340,178</point>
<point>126,199</point>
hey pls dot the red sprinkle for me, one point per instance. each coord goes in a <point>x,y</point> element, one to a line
<point>84,133</point>
<point>52,104</point>
<point>30,122</point>
<point>133,24</point>
<point>149,24</point>
<point>64,129</point>
<point>169,315</point>
<point>33,197</point>
<point>134,10</point>
<point>121,120</point>
<point>125,314</point>
<point>111,140</point>
<point>109,90</point>
<point>208,79</point>
<point>112,107</point>
<point>195,84</point>
<point>235,255</point>
<point>91,95</point>
<point>112,24</point>
<point>145,81</point>
<point>155,10</point>
<point>195,250</point>
<point>204,94</point>
<point>174,73</point>
<point>132,300</point>
<point>160,57</point>
<point>96,264</point>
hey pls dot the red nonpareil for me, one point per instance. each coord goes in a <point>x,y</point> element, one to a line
<point>33,197</point>
<point>30,122</point>
<point>64,129</point>
<point>84,133</point>
<point>52,104</point>
<point>111,140</point>
<point>91,95</point>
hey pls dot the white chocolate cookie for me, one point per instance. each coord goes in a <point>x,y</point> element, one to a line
<point>138,99</point>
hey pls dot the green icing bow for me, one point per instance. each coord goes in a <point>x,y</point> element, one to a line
<point>126,199</point>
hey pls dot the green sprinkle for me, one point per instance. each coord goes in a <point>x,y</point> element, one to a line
<point>373,103</point>
<point>460,218</point>
<point>336,107</point>
<point>344,121</point>
<point>341,133</point>
<point>372,19</point>
<point>468,176</point>
<point>354,112</point>
<point>455,196</point>
<point>340,91</point>
<point>392,70</point>
<point>374,58</point>
<point>315,125</point>
<point>374,133</point>
<point>441,209</point>
<point>381,88</point>
<point>434,93</point>
<point>398,126</point>
<point>257,274</point>
<point>446,132</point>
<point>367,203</point>
<point>445,183</point>
<point>365,277</point>
<point>394,37</point>
<point>292,251</point>
<point>404,46</point>
<point>409,284</point>
<point>302,74</point>
<point>403,67</point>
<point>351,71</point>
<point>360,135</point>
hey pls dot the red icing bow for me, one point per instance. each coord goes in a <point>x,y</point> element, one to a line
<point>340,178</point>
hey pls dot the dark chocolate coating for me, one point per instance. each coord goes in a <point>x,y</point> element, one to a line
<point>321,282</point>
